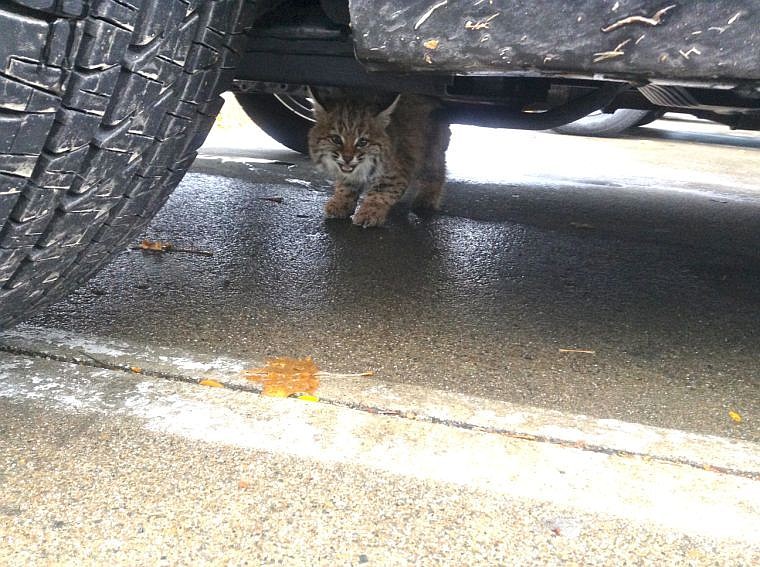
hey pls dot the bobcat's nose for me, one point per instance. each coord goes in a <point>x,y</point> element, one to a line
<point>347,158</point>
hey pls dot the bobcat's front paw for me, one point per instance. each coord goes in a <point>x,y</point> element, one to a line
<point>370,216</point>
<point>339,207</point>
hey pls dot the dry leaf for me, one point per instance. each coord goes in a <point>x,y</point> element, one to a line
<point>308,398</point>
<point>283,376</point>
<point>156,246</point>
<point>136,369</point>
<point>736,416</point>
<point>431,44</point>
<point>151,246</point>
<point>211,383</point>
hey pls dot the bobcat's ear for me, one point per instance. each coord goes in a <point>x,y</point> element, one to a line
<point>317,105</point>
<point>385,115</point>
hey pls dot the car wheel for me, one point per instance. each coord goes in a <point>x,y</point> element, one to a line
<point>102,106</point>
<point>604,124</point>
<point>287,119</point>
<point>650,117</point>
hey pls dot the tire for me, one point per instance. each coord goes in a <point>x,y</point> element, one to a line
<point>275,117</point>
<point>649,118</point>
<point>606,125</point>
<point>102,106</point>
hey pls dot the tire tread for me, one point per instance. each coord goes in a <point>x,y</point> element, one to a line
<point>112,109</point>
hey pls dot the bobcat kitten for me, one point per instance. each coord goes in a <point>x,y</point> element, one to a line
<point>381,151</point>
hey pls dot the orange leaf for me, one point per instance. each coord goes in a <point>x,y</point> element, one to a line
<point>211,383</point>
<point>275,391</point>
<point>283,376</point>
<point>135,369</point>
<point>155,246</point>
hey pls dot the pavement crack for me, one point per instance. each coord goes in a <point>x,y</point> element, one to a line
<point>92,362</point>
<point>88,360</point>
<point>512,434</point>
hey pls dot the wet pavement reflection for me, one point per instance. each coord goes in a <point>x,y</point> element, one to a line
<point>614,278</point>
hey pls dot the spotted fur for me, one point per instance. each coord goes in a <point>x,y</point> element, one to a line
<point>379,151</point>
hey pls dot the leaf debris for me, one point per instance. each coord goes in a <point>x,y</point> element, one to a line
<point>577,350</point>
<point>157,246</point>
<point>283,376</point>
<point>617,52</point>
<point>653,21</point>
<point>693,50</point>
<point>308,398</point>
<point>481,25</point>
<point>424,17</point>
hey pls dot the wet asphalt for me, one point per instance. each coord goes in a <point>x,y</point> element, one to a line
<point>612,278</point>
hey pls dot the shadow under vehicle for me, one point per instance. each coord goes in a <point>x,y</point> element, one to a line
<point>104,103</point>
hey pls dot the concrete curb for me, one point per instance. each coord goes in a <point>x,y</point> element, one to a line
<point>735,457</point>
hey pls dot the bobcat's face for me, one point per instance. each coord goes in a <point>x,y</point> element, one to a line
<point>348,141</point>
<point>350,155</point>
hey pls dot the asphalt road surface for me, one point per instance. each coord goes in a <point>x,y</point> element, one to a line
<point>566,367</point>
<point>643,251</point>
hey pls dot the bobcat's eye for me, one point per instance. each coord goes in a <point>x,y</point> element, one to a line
<point>337,140</point>
<point>361,142</point>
